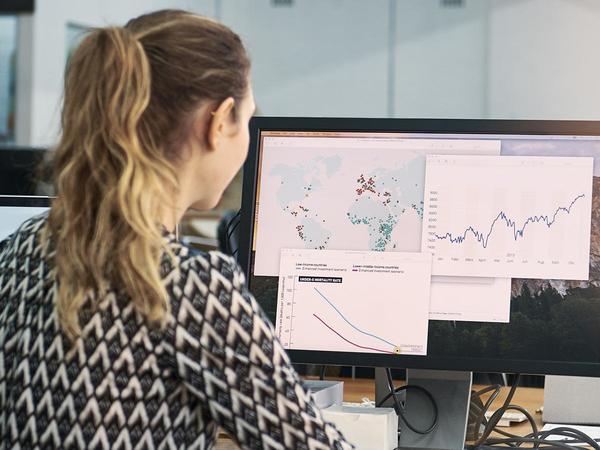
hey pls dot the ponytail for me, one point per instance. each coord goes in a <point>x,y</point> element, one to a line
<point>113,182</point>
<point>129,95</point>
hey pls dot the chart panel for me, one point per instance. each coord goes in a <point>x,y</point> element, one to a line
<point>345,194</point>
<point>521,217</point>
<point>352,301</point>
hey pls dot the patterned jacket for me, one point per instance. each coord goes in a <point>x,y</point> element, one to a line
<point>124,385</point>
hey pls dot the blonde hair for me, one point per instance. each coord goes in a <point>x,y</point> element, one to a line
<point>128,94</point>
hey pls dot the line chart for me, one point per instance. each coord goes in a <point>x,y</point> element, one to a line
<point>349,341</point>
<point>508,216</point>
<point>483,238</point>
<point>350,323</point>
<point>354,301</point>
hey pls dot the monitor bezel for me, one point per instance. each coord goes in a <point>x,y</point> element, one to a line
<point>26,201</point>
<point>431,126</point>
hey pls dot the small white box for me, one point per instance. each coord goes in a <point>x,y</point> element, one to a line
<point>366,428</point>
<point>326,393</point>
<point>571,400</point>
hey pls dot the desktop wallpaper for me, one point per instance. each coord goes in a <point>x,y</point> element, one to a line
<point>550,319</point>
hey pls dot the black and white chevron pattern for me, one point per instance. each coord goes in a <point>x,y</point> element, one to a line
<point>123,385</point>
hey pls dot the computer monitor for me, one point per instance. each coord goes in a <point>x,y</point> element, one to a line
<point>358,185</point>
<point>22,171</point>
<point>16,209</point>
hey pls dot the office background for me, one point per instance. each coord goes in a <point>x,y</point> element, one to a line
<point>376,58</point>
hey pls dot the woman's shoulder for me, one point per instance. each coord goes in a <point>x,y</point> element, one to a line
<point>213,264</point>
<point>189,263</point>
<point>205,284</point>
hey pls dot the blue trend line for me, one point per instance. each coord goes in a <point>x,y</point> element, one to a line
<point>348,322</point>
<point>517,232</point>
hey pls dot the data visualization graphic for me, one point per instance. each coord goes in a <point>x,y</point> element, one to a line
<point>352,301</point>
<point>345,193</point>
<point>521,217</point>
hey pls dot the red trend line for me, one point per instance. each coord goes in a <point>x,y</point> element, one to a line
<point>350,342</point>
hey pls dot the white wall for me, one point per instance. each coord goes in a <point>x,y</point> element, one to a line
<point>315,57</point>
<point>486,58</point>
<point>347,58</point>
<point>43,48</point>
<point>498,59</point>
<point>544,59</point>
<point>440,59</point>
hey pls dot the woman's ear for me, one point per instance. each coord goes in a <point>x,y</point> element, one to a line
<point>218,122</point>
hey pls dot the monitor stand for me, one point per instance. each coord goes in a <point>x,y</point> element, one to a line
<point>451,391</point>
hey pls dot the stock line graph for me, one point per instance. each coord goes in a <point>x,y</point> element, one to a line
<point>483,238</point>
<point>509,217</point>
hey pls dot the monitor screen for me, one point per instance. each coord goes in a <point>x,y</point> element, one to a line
<point>470,245</point>
<point>17,6</point>
<point>22,170</point>
<point>14,210</point>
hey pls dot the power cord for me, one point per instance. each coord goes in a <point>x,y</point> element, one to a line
<point>477,414</point>
<point>493,421</point>
<point>400,408</point>
<point>322,373</point>
<point>538,439</point>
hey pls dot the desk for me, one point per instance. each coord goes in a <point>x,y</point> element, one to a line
<point>354,391</point>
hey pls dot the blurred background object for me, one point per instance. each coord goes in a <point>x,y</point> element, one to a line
<point>23,172</point>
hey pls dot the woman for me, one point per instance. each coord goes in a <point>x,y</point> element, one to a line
<point>112,333</point>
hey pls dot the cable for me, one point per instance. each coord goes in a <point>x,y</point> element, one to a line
<point>518,442</point>
<point>322,374</point>
<point>493,421</point>
<point>479,419</point>
<point>477,395</point>
<point>575,437</point>
<point>481,415</point>
<point>578,436</point>
<point>405,388</point>
<point>399,408</point>
<point>530,419</point>
<point>538,439</point>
